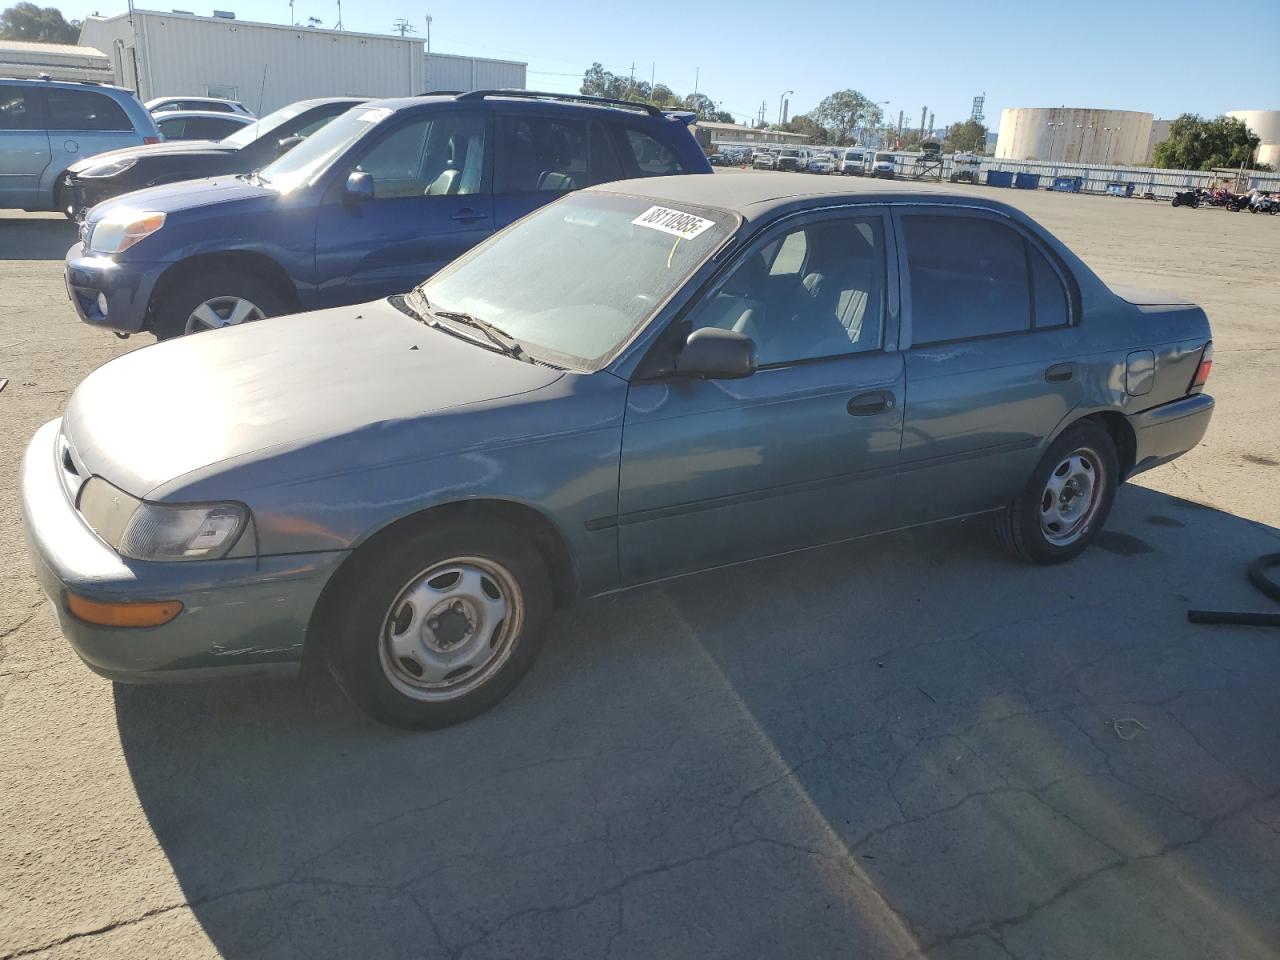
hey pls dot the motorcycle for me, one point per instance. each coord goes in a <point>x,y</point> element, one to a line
<point>1186,198</point>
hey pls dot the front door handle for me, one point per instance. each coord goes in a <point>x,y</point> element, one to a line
<point>869,404</point>
<point>468,216</point>
<point>1060,372</point>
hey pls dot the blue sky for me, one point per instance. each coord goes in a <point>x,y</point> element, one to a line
<point>1153,57</point>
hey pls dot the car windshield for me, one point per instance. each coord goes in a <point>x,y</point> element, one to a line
<point>577,278</point>
<point>263,125</point>
<point>313,155</point>
<point>790,153</point>
<point>853,155</point>
<point>884,158</point>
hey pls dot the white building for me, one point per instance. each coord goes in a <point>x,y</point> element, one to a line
<point>266,65</point>
<point>57,61</point>
<point>1074,135</point>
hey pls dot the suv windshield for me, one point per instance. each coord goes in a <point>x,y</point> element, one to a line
<point>262,126</point>
<point>577,278</point>
<point>884,158</point>
<point>313,155</point>
<point>853,155</point>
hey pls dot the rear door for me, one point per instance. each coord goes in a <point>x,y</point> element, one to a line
<point>992,365</point>
<point>432,202</point>
<point>24,147</point>
<point>83,123</point>
<point>542,156</point>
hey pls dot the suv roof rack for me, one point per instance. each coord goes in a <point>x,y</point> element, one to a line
<point>648,108</point>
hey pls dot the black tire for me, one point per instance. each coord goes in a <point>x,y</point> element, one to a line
<point>357,640</point>
<point>1019,525</point>
<point>181,297</point>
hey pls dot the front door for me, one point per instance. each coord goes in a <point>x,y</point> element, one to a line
<point>432,202</point>
<point>801,452</point>
<point>24,147</point>
<point>991,367</point>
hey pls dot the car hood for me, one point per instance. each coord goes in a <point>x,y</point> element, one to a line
<point>158,414</point>
<point>169,148</point>
<point>184,195</point>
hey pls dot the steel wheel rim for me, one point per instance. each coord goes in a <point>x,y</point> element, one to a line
<point>1071,497</point>
<point>218,312</point>
<point>451,628</point>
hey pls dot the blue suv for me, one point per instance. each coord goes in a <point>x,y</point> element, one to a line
<point>369,206</point>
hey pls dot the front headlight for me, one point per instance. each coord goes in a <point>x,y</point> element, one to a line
<point>121,229</point>
<point>153,531</point>
<point>108,168</point>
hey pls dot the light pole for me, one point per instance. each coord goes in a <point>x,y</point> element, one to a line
<point>1083,154</point>
<point>1055,126</point>
<point>781,100</point>
<point>426,78</point>
<point>1111,135</point>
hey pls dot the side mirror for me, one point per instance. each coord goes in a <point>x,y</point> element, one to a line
<point>715,354</point>
<point>285,144</point>
<point>359,187</point>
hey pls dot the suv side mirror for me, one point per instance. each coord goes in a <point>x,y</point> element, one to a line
<point>715,354</point>
<point>359,187</point>
<point>285,144</point>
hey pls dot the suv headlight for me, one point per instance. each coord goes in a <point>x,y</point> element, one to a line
<point>154,531</point>
<point>121,229</point>
<point>107,168</point>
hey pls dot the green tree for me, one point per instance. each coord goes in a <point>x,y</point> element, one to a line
<point>26,21</point>
<point>844,113</point>
<point>967,137</point>
<point>806,125</point>
<point>706,108</point>
<point>599,82</point>
<point>1198,144</point>
<point>662,95</point>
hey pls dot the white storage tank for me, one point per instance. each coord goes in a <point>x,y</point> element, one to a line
<point>1266,124</point>
<point>1074,135</point>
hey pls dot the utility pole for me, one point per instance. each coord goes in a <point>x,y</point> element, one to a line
<point>403,26</point>
<point>697,73</point>
<point>339,24</point>
<point>631,84</point>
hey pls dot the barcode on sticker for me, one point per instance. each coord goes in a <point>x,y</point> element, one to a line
<point>675,222</point>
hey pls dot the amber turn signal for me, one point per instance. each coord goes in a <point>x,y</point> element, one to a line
<point>123,614</point>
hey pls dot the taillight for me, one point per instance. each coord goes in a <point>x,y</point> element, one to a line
<point>150,140</point>
<point>1203,370</point>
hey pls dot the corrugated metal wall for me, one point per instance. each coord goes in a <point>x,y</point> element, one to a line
<point>201,56</point>
<point>447,72</point>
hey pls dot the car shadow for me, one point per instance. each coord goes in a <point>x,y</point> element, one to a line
<point>36,237</point>
<point>909,745</point>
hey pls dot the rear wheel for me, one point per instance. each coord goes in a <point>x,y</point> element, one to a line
<point>441,625</point>
<point>218,298</point>
<point>1066,500</point>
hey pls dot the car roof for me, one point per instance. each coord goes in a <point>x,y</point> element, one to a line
<point>525,100</point>
<point>66,84</point>
<point>760,196</point>
<point>212,114</point>
<point>192,98</point>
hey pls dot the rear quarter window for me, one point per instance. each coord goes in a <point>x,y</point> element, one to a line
<point>84,110</point>
<point>19,109</point>
<point>647,156</point>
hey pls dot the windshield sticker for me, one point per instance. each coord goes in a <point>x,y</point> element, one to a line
<point>674,222</point>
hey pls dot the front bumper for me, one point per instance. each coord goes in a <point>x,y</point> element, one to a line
<point>1168,431</point>
<point>125,285</point>
<point>249,613</point>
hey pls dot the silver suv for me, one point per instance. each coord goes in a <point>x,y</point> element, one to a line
<point>47,125</point>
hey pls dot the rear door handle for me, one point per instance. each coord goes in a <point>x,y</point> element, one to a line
<point>869,404</point>
<point>1060,372</point>
<point>469,216</point>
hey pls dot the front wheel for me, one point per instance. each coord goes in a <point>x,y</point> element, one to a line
<point>1066,500</point>
<point>218,298</point>
<point>439,626</point>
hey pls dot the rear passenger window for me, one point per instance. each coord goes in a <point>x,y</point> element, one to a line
<point>172,128</point>
<point>18,110</point>
<point>968,278</point>
<point>604,160</point>
<point>652,158</point>
<point>81,110</point>
<point>1052,309</point>
<point>542,155</point>
<point>209,128</point>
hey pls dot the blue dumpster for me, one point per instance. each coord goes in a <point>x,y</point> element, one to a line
<point>1027,181</point>
<point>999,178</point>
<point>1068,184</point>
<point>1118,189</point>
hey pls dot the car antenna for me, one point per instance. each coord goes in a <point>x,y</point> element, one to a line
<point>262,93</point>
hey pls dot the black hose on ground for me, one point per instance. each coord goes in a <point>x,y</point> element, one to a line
<point>1261,577</point>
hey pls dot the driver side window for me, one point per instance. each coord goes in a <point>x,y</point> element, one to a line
<point>816,291</point>
<point>435,156</point>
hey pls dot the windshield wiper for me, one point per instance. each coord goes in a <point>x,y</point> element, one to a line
<point>495,334</point>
